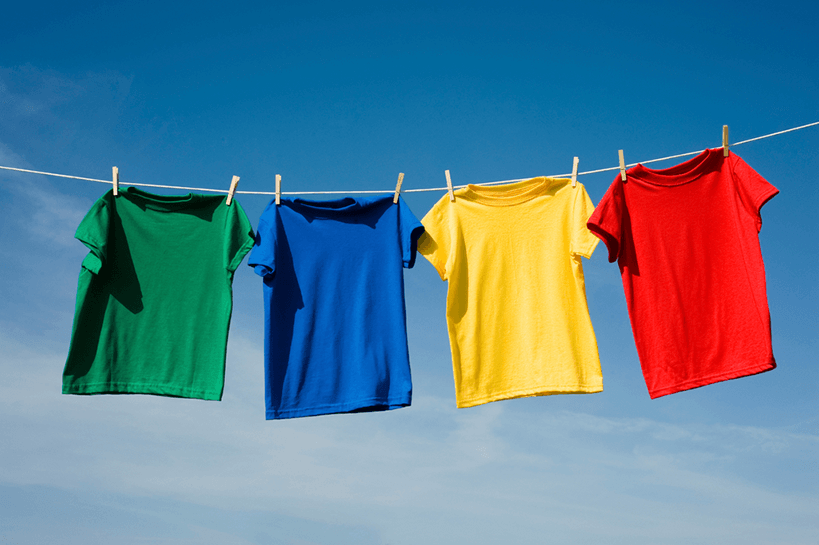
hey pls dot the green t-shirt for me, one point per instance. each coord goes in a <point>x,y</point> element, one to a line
<point>154,297</point>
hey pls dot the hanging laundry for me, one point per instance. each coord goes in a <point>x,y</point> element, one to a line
<point>516,305</point>
<point>335,319</point>
<point>687,242</point>
<point>154,297</point>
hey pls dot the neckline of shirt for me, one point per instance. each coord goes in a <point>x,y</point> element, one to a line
<point>508,194</point>
<point>681,174</point>
<point>344,204</point>
<point>164,203</point>
<point>333,207</point>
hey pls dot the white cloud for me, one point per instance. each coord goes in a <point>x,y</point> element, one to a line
<point>489,471</point>
<point>55,215</point>
<point>40,208</point>
<point>28,92</point>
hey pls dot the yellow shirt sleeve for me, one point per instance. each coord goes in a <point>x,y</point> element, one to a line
<point>434,243</point>
<point>583,241</point>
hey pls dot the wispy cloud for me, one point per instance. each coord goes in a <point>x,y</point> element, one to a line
<point>27,91</point>
<point>488,469</point>
<point>39,208</point>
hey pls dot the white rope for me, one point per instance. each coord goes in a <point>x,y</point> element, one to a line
<point>389,191</point>
<point>777,133</point>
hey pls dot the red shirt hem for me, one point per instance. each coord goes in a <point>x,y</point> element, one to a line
<point>705,381</point>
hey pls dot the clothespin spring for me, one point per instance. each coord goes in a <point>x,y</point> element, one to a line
<point>398,187</point>
<point>233,183</point>
<point>622,166</point>
<point>574,171</point>
<point>725,141</point>
<point>115,180</point>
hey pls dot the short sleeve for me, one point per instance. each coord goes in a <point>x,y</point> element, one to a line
<point>607,220</point>
<point>583,241</point>
<point>93,232</point>
<point>238,236</point>
<point>754,190</point>
<point>409,230</point>
<point>263,255</point>
<point>436,241</point>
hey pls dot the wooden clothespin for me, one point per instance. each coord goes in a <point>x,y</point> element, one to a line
<point>233,183</point>
<point>574,171</point>
<point>398,187</point>
<point>449,186</point>
<point>278,189</point>
<point>622,166</point>
<point>725,140</point>
<point>116,181</point>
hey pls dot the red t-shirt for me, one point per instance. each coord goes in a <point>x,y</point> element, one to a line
<point>687,242</point>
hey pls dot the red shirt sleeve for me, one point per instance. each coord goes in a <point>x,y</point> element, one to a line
<point>754,190</point>
<point>607,220</point>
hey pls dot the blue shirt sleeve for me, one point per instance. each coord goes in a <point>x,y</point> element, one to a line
<point>263,255</point>
<point>410,228</point>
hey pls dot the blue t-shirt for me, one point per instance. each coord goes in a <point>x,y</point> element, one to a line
<point>335,320</point>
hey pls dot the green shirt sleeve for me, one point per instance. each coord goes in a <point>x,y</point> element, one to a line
<point>93,232</point>
<point>239,236</point>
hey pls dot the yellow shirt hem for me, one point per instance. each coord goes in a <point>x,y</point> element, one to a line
<point>530,392</point>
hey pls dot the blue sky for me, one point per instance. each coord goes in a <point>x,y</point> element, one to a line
<point>343,96</point>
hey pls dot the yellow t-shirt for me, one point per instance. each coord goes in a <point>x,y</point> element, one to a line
<point>516,305</point>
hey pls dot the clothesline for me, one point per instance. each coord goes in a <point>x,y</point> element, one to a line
<point>387,191</point>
